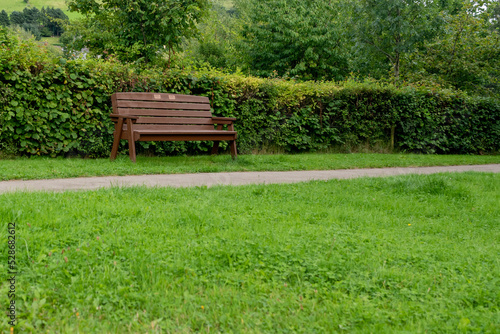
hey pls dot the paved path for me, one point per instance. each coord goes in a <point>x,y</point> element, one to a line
<point>233,178</point>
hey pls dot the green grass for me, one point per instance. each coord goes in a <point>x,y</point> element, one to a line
<point>51,41</point>
<point>47,168</point>
<point>18,5</point>
<point>406,254</point>
<point>228,4</point>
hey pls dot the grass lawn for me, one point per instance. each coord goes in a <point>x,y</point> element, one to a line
<point>405,254</point>
<point>47,168</point>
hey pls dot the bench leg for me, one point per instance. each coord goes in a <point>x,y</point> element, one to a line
<point>215,148</point>
<point>116,139</point>
<point>131,140</point>
<point>114,150</point>
<point>232,145</point>
<point>131,149</point>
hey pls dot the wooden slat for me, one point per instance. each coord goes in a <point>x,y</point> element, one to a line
<point>161,97</point>
<point>162,105</point>
<point>160,127</point>
<point>182,137</point>
<point>188,132</point>
<point>168,113</point>
<point>173,120</point>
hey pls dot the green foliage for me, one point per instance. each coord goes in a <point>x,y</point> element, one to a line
<point>216,43</point>
<point>46,22</point>
<point>387,30</point>
<point>495,17</point>
<point>465,56</point>
<point>136,30</point>
<point>54,20</point>
<point>16,18</point>
<point>32,15</point>
<point>4,19</point>
<point>50,106</point>
<point>293,38</point>
<point>46,104</point>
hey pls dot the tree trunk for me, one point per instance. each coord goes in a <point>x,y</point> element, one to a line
<point>396,66</point>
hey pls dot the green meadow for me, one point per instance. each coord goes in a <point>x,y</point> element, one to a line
<point>18,5</point>
<point>405,254</point>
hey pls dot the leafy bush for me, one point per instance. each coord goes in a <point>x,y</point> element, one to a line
<point>49,106</point>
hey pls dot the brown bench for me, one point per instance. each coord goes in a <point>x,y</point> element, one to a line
<point>167,117</point>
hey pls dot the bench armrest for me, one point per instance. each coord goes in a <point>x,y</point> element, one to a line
<point>223,120</point>
<point>115,117</point>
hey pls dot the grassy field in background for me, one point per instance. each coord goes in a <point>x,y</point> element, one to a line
<point>47,168</point>
<point>18,5</point>
<point>405,254</point>
<point>50,40</point>
<point>228,4</point>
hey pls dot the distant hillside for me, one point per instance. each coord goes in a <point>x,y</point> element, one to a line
<point>18,5</point>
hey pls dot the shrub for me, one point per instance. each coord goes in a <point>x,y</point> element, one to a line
<point>49,106</point>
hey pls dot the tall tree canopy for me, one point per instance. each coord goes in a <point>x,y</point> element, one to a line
<point>391,28</point>
<point>137,29</point>
<point>465,56</point>
<point>293,37</point>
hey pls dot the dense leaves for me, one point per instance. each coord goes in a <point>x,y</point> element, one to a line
<point>135,29</point>
<point>54,107</point>
<point>40,23</point>
<point>294,38</point>
<point>4,18</point>
<point>216,43</point>
<point>465,56</point>
<point>392,28</point>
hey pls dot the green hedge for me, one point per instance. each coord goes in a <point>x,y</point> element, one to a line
<point>49,106</point>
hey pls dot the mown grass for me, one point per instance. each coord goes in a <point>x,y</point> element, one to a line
<point>48,168</point>
<point>406,254</point>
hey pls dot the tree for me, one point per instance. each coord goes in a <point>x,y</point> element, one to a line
<point>137,29</point>
<point>54,19</point>
<point>16,18</point>
<point>215,44</point>
<point>386,30</point>
<point>298,38</point>
<point>32,16</point>
<point>466,56</point>
<point>4,19</point>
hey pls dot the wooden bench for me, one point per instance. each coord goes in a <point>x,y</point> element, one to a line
<point>167,117</point>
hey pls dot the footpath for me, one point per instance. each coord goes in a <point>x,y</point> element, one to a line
<point>232,178</point>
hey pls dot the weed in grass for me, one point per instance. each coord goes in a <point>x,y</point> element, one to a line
<point>399,254</point>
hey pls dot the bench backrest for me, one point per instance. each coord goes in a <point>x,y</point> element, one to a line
<point>165,111</point>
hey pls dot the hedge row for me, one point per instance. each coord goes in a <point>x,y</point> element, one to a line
<point>49,106</point>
